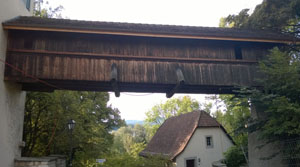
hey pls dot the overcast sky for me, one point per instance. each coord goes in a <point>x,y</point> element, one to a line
<point>172,12</point>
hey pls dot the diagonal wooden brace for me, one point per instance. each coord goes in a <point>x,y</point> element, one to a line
<point>114,79</point>
<point>179,83</point>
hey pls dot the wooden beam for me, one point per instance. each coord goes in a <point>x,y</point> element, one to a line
<point>139,58</point>
<point>128,87</point>
<point>114,79</point>
<point>180,82</point>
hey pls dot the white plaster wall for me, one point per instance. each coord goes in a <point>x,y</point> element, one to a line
<point>11,97</point>
<point>197,147</point>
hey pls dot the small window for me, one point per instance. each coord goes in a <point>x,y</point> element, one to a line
<point>209,142</point>
<point>190,162</point>
<point>28,3</point>
<point>238,53</point>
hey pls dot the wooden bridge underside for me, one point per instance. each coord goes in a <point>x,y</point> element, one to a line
<point>130,63</point>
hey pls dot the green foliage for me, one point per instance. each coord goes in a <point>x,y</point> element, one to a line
<point>234,157</point>
<point>42,9</point>
<point>35,131</point>
<point>280,95</point>
<point>172,107</point>
<point>277,101</point>
<point>130,140</point>
<point>125,160</point>
<point>45,124</point>
<point>235,117</point>
<point>276,15</point>
<point>136,148</point>
<point>234,120</point>
<point>236,21</point>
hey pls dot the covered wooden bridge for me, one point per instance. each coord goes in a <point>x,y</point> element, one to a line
<point>47,54</point>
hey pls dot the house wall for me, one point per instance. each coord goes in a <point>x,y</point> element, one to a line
<point>197,147</point>
<point>11,97</point>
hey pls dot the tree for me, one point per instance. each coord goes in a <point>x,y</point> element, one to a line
<point>280,84</point>
<point>277,100</point>
<point>275,15</point>
<point>173,107</point>
<point>234,157</point>
<point>42,9</point>
<point>235,117</point>
<point>277,103</point>
<point>129,139</point>
<point>279,96</point>
<point>37,106</point>
<point>45,124</point>
<point>236,21</point>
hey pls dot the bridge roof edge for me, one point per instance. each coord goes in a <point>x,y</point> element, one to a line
<point>147,30</point>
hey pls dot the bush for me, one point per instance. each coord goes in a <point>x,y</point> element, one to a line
<point>126,160</point>
<point>234,157</point>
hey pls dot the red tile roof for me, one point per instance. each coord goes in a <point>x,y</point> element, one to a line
<point>174,134</point>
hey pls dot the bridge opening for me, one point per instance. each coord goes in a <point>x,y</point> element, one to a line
<point>55,54</point>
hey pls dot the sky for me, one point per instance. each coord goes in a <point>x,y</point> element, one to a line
<point>169,12</point>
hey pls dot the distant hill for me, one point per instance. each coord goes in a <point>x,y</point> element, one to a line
<point>133,122</point>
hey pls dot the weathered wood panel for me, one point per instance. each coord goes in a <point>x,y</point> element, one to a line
<point>72,60</point>
<point>133,46</point>
<point>95,69</point>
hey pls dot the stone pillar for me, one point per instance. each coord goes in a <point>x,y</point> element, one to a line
<point>12,98</point>
<point>256,154</point>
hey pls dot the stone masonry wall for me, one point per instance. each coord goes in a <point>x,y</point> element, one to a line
<point>50,161</point>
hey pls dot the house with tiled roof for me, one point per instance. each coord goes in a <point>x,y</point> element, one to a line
<point>194,139</point>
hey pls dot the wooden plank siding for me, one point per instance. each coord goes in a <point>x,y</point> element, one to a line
<point>145,64</point>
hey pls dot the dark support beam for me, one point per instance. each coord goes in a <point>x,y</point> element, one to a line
<point>180,82</point>
<point>114,79</point>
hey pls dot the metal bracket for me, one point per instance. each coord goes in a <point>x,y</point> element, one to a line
<point>114,79</point>
<point>179,83</point>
